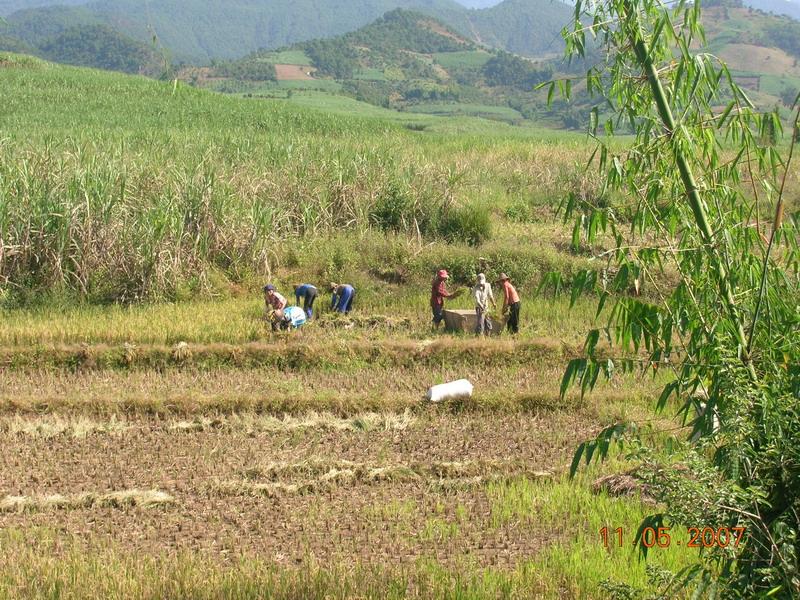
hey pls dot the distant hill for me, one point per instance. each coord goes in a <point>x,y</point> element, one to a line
<point>478,3</point>
<point>10,6</point>
<point>90,45</point>
<point>762,50</point>
<point>201,30</point>
<point>790,8</point>
<point>405,60</point>
<point>102,47</point>
<point>523,27</point>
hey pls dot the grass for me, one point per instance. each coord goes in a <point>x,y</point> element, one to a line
<point>31,571</point>
<point>469,59</point>
<point>132,167</point>
<point>580,561</point>
<point>238,320</point>
<point>121,499</point>
<point>145,218</point>
<point>287,57</point>
<point>483,110</point>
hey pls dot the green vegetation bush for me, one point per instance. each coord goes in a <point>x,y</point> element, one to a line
<point>785,34</point>
<point>102,47</point>
<point>469,224</point>
<point>332,57</point>
<point>251,70</point>
<point>403,30</point>
<point>508,70</point>
<point>10,43</point>
<point>726,329</point>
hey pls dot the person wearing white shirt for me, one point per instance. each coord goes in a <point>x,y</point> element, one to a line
<point>482,292</point>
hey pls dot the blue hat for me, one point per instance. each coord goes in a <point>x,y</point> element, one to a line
<point>269,288</point>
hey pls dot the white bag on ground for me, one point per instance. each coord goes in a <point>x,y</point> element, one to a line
<point>447,391</point>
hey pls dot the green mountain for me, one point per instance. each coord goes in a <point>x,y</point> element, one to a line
<point>523,27</point>
<point>411,62</point>
<point>102,47</point>
<point>762,50</point>
<point>89,45</point>
<point>405,60</point>
<point>201,30</point>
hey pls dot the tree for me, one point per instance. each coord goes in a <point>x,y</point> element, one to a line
<point>704,184</point>
<point>789,95</point>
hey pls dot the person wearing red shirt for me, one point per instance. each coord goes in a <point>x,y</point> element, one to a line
<point>438,294</point>
<point>511,303</point>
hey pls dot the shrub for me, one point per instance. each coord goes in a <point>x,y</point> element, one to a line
<point>470,224</point>
<point>392,208</point>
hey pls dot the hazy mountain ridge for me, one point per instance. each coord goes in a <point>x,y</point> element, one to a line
<point>789,8</point>
<point>201,30</point>
<point>8,7</point>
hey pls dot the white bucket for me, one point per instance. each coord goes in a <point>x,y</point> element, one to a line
<point>447,391</point>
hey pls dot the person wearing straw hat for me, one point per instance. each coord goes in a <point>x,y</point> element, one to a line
<point>511,303</point>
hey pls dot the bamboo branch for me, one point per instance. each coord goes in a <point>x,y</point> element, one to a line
<point>776,225</point>
<point>687,176</point>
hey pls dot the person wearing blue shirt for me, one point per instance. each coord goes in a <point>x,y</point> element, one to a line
<point>342,298</point>
<point>308,293</point>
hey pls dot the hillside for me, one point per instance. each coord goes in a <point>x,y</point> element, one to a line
<point>8,7</point>
<point>790,8</point>
<point>89,45</point>
<point>762,50</point>
<point>405,61</point>
<point>198,31</point>
<point>523,27</point>
<point>409,62</point>
<point>478,3</point>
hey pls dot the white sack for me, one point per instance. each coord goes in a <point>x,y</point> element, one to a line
<point>446,391</point>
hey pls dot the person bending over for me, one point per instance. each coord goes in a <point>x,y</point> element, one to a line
<point>342,297</point>
<point>511,303</point>
<point>308,293</point>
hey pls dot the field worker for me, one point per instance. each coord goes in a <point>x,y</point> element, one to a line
<point>438,294</point>
<point>342,297</point>
<point>275,303</point>
<point>294,317</point>
<point>308,293</point>
<point>482,293</point>
<point>511,303</point>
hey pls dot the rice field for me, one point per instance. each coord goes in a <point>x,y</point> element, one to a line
<point>161,442</point>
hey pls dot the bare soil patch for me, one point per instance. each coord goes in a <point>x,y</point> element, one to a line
<point>436,28</point>
<point>748,57</point>
<point>294,72</point>
<point>380,519</point>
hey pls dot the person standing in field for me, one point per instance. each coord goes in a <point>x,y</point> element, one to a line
<point>275,303</point>
<point>511,303</point>
<point>482,293</point>
<point>438,294</point>
<point>342,297</point>
<point>308,293</point>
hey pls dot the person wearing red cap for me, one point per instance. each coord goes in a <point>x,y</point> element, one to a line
<point>438,294</point>
<point>511,303</point>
